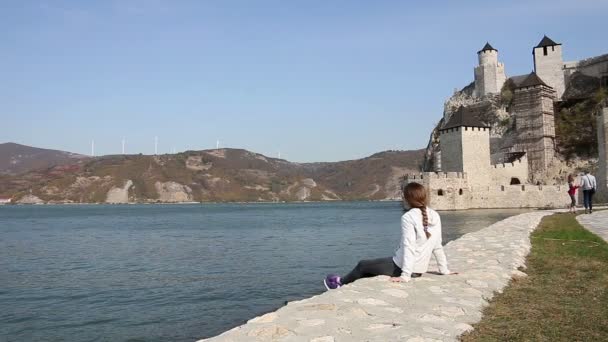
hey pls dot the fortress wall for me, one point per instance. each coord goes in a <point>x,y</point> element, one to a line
<point>446,190</point>
<point>495,197</point>
<point>434,175</point>
<point>596,66</point>
<point>522,196</point>
<point>503,173</point>
<point>602,138</point>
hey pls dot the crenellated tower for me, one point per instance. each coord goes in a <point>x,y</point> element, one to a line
<point>465,147</point>
<point>489,74</point>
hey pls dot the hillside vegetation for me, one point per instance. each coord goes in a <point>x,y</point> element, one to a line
<point>575,125</point>
<point>213,175</point>
<point>16,158</point>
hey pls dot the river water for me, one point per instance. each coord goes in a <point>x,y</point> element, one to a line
<point>181,272</point>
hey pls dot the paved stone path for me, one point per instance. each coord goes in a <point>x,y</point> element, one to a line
<point>430,308</point>
<point>597,223</point>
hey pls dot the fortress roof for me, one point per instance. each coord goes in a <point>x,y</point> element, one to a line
<point>466,117</point>
<point>531,81</point>
<point>487,47</point>
<point>546,41</point>
<point>517,80</point>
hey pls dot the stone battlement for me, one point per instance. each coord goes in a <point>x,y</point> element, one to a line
<point>435,175</point>
<point>514,163</point>
<point>553,189</point>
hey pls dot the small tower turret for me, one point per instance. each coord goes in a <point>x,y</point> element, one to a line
<point>489,74</point>
<point>549,64</point>
<point>488,55</point>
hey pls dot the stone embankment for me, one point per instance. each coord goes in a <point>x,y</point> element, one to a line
<point>430,308</point>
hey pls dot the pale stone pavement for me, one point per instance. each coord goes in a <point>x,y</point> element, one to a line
<point>430,308</point>
<point>597,223</point>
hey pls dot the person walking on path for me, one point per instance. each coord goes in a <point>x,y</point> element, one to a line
<point>572,186</point>
<point>420,238</point>
<point>589,185</point>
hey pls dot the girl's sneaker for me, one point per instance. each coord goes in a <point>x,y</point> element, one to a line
<point>332,281</point>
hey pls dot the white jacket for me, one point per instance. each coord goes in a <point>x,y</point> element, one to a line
<point>414,251</point>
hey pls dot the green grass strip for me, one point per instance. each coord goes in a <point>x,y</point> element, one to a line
<point>564,297</point>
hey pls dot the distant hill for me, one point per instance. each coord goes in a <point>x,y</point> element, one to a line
<point>16,158</point>
<point>212,175</point>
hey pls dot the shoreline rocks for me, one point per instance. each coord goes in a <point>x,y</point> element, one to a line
<point>118,195</point>
<point>30,199</point>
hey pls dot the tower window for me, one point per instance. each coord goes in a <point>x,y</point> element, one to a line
<point>460,192</point>
<point>440,192</point>
<point>544,50</point>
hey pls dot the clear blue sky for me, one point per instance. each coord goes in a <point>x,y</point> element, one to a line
<point>318,80</point>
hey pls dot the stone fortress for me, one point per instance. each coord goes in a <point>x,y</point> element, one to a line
<point>465,173</point>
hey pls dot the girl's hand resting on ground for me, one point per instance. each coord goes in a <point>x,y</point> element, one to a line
<point>398,280</point>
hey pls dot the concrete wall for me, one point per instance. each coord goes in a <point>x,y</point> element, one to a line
<point>550,68</point>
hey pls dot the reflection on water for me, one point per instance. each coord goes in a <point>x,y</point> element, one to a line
<point>181,272</point>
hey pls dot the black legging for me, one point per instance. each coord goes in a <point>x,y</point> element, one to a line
<point>372,268</point>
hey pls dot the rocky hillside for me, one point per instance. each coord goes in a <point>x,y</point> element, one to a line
<point>16,158</point>
<point>211,175</point>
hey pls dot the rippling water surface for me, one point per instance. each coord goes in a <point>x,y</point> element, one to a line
<point>181,272</point>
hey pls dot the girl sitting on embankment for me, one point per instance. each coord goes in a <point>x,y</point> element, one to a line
<point>420,238</point>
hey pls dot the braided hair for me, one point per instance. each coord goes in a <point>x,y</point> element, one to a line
<point>415,195</point>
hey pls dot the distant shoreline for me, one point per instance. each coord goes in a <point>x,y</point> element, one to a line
<point>193,202</point>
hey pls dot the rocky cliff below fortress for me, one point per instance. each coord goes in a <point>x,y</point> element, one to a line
<point>209,176</point>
